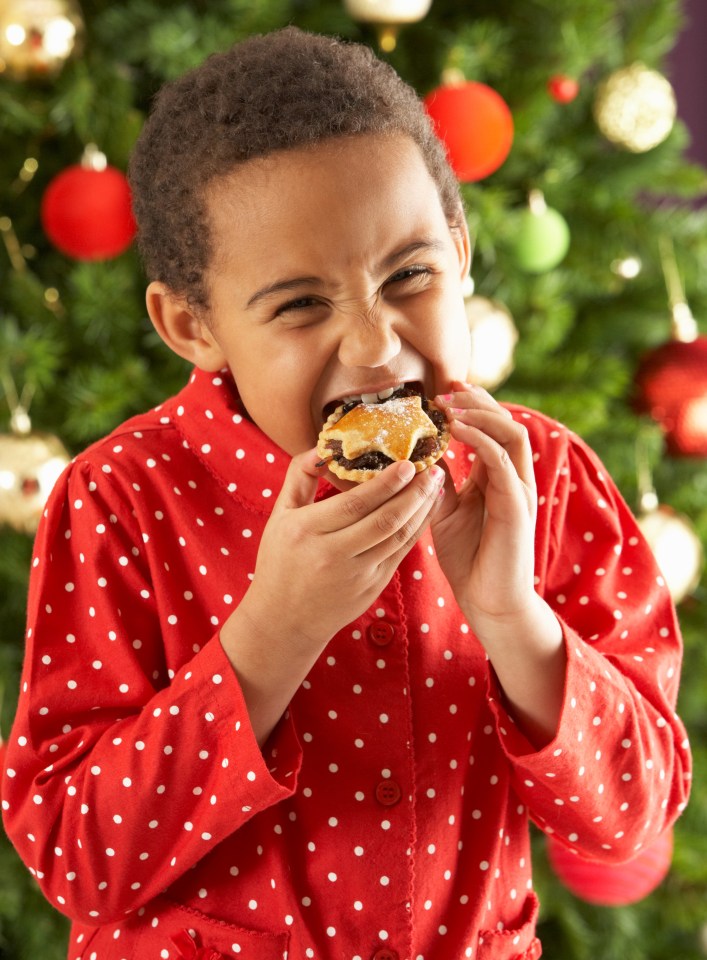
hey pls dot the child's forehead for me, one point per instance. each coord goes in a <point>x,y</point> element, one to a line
<point>280,169</point>
<point>335,189</point>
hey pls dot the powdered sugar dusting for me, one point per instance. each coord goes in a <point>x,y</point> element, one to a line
<point>393,427</point>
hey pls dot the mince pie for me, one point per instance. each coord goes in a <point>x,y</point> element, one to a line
<point>360,439</point>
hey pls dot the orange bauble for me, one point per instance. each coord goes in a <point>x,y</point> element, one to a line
<point>613,885</point>
<point>87,213</point>
<point>475,125</point>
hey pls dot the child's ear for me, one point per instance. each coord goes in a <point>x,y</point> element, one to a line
<point>460,234</point>
<point>182,329</point>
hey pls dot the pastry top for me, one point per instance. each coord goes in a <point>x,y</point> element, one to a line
<point>393,428</point>
<point>386,431</point>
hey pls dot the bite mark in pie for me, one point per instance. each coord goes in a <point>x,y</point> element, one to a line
<point>360,439</point>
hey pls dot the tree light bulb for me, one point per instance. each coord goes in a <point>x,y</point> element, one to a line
<point>628,267</point>
<point>15,34</point>
<point>59,37</point>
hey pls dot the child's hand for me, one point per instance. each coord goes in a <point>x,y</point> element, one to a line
<point>484,537</point>
<point>484,534</point>
<point>320,565</point>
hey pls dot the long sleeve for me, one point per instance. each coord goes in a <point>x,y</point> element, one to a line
<point>389,809</point>
<point>122,773</point>
<point>618,771</point>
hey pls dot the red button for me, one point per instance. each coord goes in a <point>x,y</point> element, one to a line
<point>388,793</point>
<point>381,633</point>
<point>385,953</point>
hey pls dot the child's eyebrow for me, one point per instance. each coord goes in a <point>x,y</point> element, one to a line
<point>293,283</point>
<point>426,244</point>
<point>281,285</point>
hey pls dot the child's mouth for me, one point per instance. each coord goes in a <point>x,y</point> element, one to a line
<point>352,400</point>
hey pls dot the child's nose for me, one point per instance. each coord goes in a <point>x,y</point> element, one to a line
<point>369,342</point>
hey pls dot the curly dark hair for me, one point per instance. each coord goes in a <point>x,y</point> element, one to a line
<point>277,91</point>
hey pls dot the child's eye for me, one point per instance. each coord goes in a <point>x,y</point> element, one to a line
<point>410,273</point>
<point>301,312</point>
<point>301,303</point>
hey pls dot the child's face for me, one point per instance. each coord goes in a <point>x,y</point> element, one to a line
<point>335,274</point>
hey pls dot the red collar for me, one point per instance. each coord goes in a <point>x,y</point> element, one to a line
<point>212,421</point>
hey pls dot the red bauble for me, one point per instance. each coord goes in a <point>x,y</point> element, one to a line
<point>87,213</point>
<point>475,125</point>
<point>613,885</point>
<point>671,386</point>
<point>562,88</point>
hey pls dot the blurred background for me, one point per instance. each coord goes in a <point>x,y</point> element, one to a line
<point>578,129</point>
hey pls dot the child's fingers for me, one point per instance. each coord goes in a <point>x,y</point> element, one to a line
<point>303,476</point>
<point>509,440</point>
<point>467,395</point>
<point>388,554</point>
<point>301,481</point>
<point>351,508</point>
<point>475,389</point>
<point>471,409</point>
<point>396,522</point>
<point>390,507</point>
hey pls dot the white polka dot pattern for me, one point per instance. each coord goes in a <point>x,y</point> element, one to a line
<point>388,813</point>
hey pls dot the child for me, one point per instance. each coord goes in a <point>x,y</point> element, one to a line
<point>266,713</point>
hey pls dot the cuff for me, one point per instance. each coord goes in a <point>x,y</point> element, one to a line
<point>260,777</point>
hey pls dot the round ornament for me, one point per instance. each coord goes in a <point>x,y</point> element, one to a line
<point>493,340</point>
<point>37,37</point>
<point>562,88</point>
<point>388,11</point>
<point>542,237</point>
<point>627,267</point>
<point>613,885</point>
<point>86,210</point>
<point>676,548</point>
<point>689,435</point>
<point>671,386</point>
<point>635,108</point>
<point>29,466</point>
<point>388,16</point>
<point>475,125</point>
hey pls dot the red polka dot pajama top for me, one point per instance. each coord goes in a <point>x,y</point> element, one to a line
<point>387,816</point>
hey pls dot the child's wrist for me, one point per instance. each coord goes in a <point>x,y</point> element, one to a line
<point>533,628</point>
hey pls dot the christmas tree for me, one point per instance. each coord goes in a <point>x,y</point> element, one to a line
<point>596,174</point>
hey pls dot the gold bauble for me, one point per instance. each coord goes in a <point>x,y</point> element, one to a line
<point>387,16</point>
<point>635,108</point>
<point>388,11</point>
<point>493,340</point>
<point>29,466</point>
<point>37,37</point>
<point>676,547</point>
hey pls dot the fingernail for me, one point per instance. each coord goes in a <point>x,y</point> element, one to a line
<point>406,471</point>
<point>446,397</point>
<point>437,473</point>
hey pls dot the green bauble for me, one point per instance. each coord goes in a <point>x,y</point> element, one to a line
<point>542,239</point>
